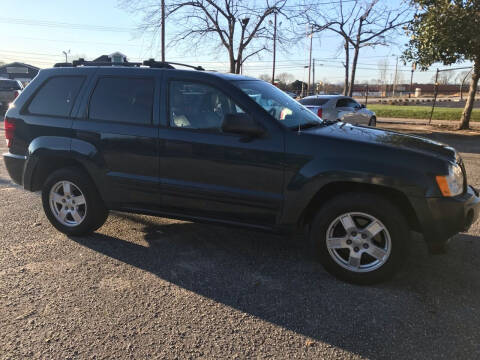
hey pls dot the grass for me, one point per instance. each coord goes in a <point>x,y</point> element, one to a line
<point>420,112</point>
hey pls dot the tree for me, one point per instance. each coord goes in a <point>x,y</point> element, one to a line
<point>361,24</point>
<point>285,78</point>
<point>265,77</point>
<point>239,26</point>
<point>444,78</point>
<point>447,31</point>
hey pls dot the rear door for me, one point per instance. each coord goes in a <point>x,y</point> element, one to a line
<point>120,120</point>
<point>359,115</point>
<point>206,173</point>
<point>345,110</point>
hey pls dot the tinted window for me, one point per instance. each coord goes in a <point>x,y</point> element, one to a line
<point>9,85</point>
<point>313,101</point>
<point>346,102</point>
<point>56,96</point>
<point>126,100</point>
<point>198,106</point>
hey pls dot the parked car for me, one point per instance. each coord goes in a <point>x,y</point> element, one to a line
<point>338,107</point>
<point>205,146</point>
<point>9,90</point>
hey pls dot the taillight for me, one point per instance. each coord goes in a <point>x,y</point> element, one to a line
<point>319,112</point>
<point>9,130</point>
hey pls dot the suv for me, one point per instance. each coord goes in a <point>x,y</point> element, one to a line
<point>205,146</point>
<point>9,90</point>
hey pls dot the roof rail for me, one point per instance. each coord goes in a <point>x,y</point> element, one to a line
<point>152,63</point>
<point>168,64</point>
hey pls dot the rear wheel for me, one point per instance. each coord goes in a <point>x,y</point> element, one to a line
<point>373,121</point>
<point>71,202</point>
<point>360,238</point>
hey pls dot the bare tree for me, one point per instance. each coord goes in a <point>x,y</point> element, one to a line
<point>383,72</point>
<point>360,24</point>
<point>285,78</point>
<point>444,78</point>
<point>265,77</point>
<point>239,26</point>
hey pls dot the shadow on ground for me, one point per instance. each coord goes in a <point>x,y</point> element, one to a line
<point>273,279</point>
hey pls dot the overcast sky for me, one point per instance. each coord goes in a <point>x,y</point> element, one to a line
<point>37,32</point>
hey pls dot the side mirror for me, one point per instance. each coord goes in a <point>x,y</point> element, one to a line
<point>242,124</point>
<point>362,106</point>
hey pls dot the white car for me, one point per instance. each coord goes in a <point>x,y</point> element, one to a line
<point>339,107</point>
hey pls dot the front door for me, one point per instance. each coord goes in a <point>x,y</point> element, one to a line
<point>206,173</point>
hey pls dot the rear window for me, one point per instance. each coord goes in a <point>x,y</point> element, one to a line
<point>9,85</point>
<point>313,101</point>
<point>128,100</point>
<point>56,96</point>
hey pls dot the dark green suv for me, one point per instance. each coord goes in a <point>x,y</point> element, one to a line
<point>205,146</point>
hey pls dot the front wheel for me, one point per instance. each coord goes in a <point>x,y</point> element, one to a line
<point>360,238</point>
<point>373,121</point>
<point>71,202</point>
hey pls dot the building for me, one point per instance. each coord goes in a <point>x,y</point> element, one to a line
<point>19,71</point>
<point>116,57</point>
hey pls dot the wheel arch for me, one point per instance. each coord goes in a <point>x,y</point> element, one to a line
<point>331,190</point>
<point>48,164</point>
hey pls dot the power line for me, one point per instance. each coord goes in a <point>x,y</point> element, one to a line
<point>57,24</point>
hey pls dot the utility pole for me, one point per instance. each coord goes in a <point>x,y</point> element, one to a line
<point>414,66</point>
<point>274,44</point>
<point>395,78</point>
<point>163,30</point>
<point>310,61</point>
<point>313,78</point>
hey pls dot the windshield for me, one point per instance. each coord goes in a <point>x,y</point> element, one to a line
<point>278,104</point>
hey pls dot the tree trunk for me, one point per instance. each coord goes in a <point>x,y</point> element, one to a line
<point>238,68</point>
<point>347,61</point>
<point>467,110</point>
<point>354,69</point>
<point>231,57</point>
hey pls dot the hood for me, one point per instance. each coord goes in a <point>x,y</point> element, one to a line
<point>387,138</point>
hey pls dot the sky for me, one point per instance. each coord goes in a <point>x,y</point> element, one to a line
<point>37,32</point>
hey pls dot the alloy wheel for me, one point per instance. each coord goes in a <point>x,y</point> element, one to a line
<point>358,242</point>
<point>67,203</point>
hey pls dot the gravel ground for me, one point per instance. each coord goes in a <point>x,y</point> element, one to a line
<point>145,287</point>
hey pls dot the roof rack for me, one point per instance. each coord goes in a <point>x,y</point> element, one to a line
<point>152,63</point>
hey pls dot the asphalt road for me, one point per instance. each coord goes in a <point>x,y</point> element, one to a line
<point>145,287</point>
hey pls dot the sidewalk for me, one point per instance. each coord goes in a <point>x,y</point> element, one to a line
<point>474,125</point>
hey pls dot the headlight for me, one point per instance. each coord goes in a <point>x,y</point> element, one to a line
<point>451,184</point>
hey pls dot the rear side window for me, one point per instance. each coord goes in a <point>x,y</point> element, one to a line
<point>128,100</point>
<point>56,96</point>
<point>313,101</point>
<point>9,85</point>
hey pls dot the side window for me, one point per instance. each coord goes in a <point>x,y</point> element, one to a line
<point>56,96</point>
<point>122,99</point>
<point>198,106</point>
<point>342,103</point>
<point>352,103</point>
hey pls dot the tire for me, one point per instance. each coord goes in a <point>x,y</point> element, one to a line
<point>348,257</point>
<point>373,121</point>
<point>71,202</point>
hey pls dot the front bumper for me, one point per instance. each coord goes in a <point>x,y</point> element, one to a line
<point>443,217</point>
<point>15,165</point>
